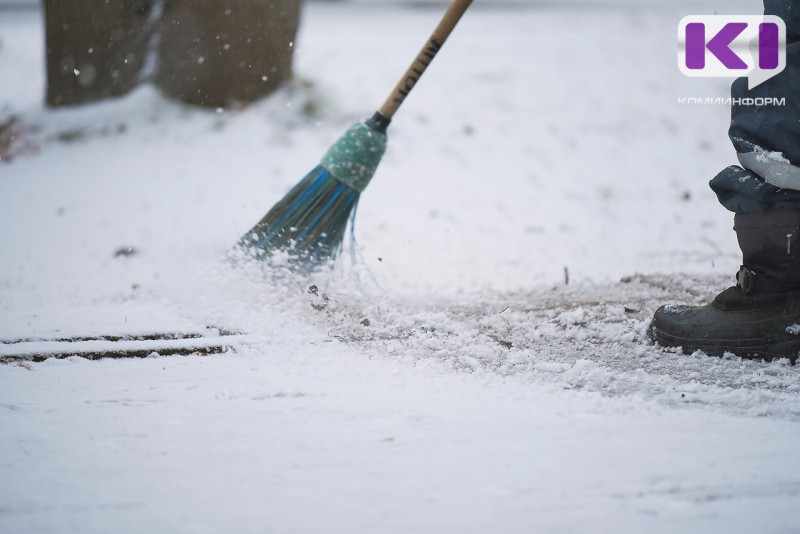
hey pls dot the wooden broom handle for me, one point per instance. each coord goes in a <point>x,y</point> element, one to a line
<point>424,58</point>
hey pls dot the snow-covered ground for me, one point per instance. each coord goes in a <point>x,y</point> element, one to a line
<point>452,382</point>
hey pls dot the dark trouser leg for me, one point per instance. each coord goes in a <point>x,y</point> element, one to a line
<point>767,138</point>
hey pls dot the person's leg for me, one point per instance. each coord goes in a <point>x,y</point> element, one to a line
<point>760,315</point>
<point>767,138</point>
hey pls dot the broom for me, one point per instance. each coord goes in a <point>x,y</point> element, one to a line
<point>310,221</point>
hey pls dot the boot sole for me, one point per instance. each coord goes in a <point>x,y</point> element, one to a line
<point>744,348</point>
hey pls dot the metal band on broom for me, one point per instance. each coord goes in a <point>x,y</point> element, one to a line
<point>310,221</point>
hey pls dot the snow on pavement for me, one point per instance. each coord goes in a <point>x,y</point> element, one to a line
<point>333,440</point>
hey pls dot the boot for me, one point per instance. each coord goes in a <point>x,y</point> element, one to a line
<point>759,317</point>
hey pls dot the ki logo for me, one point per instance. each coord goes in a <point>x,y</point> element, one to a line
<point>723,46</point>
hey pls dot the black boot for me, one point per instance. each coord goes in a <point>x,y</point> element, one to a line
<point>759,317</point>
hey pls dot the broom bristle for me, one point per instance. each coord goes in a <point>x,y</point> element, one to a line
<point>309,222</point>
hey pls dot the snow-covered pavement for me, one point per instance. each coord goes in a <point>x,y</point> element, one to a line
<point>451,382</point>
<point>317,437</point>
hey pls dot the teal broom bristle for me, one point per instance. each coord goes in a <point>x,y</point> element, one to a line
<point>310,221</point>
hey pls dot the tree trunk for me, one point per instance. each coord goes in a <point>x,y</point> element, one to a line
<point>95,48</point>
<point>223,53</point>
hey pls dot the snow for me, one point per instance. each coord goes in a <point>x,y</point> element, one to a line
<point>765,156</point>
<point>450,380</point>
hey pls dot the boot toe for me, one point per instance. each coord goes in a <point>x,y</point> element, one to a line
<point>673,324</point>
<point>747,333</point>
